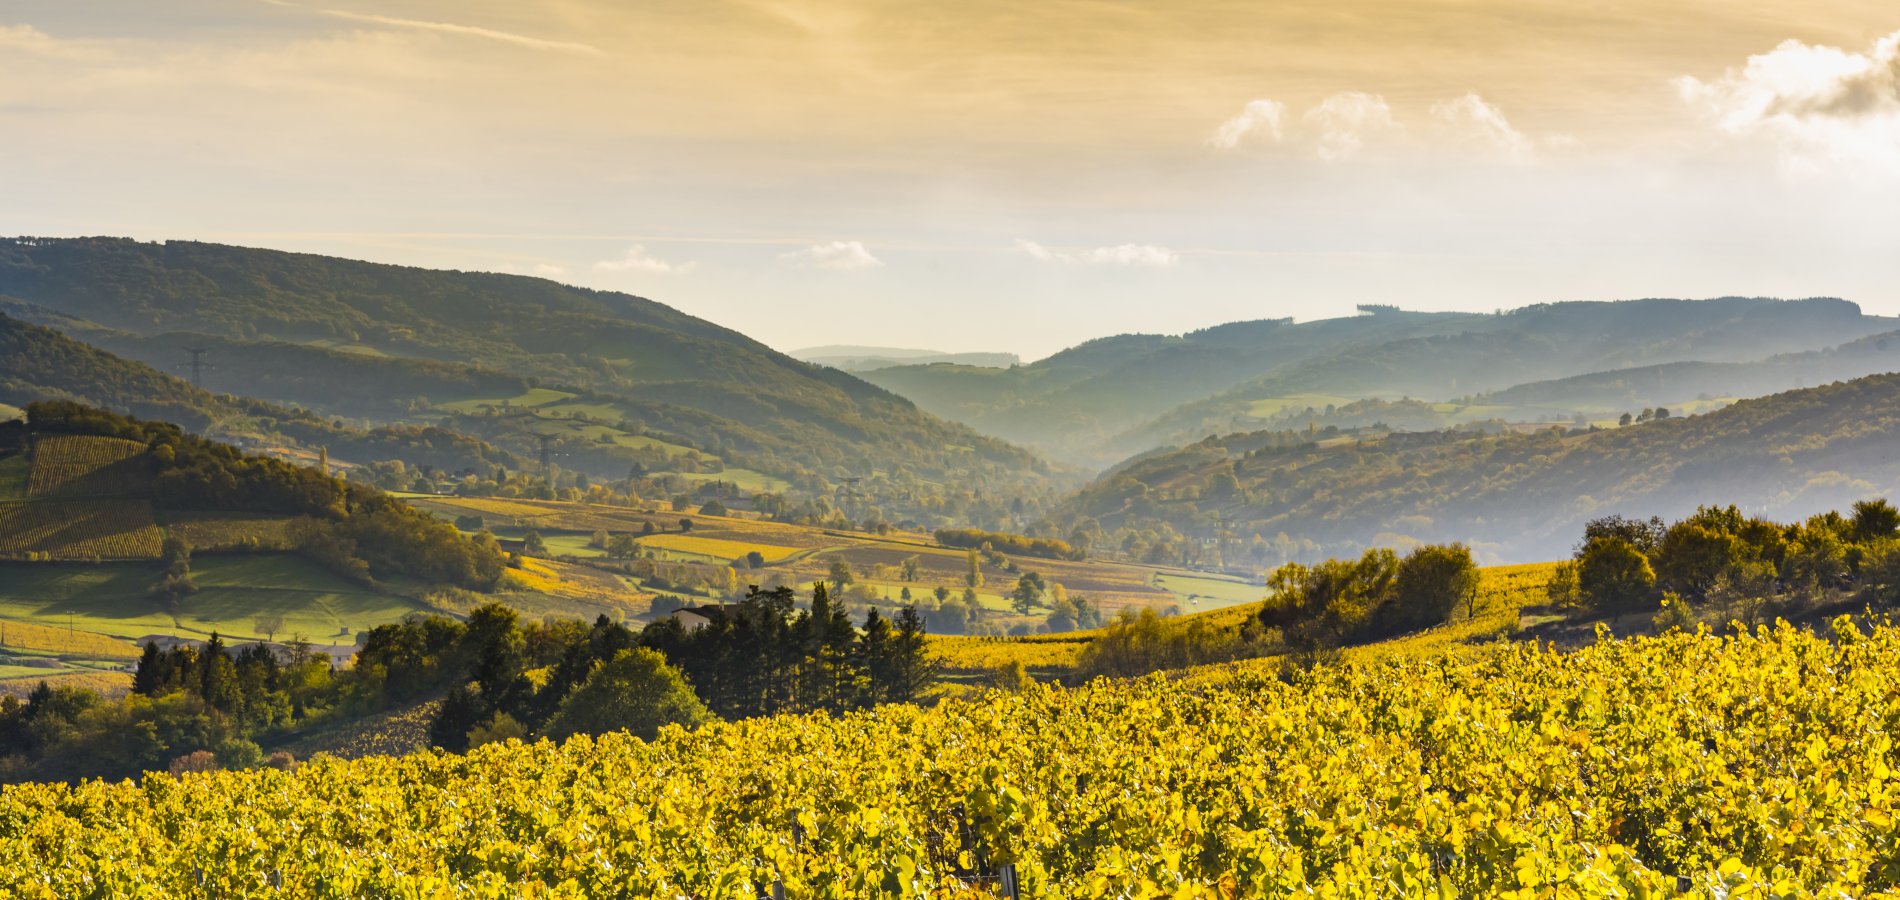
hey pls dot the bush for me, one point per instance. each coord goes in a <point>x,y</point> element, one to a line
<point>636,691</point>
<point>1614,576</point>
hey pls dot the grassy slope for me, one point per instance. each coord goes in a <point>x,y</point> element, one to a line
<point>234,593</point>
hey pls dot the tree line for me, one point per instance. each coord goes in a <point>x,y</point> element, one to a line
<point>356,530</point>
<point>1722,563</point>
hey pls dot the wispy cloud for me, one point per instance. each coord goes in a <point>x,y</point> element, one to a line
<point>1352,124</point>
<point>490,34</point>
<point>1820,104</point>
<point>1474,124</point>
<point>1118,255</point>
<point>835,255</point>
<point>32,41</point>
<point>1263,118</point>
<point>637,259</point>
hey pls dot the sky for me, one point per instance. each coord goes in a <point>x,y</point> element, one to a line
<point>987,174</point>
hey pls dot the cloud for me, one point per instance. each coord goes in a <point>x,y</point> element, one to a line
<point>489,34</point>
<point>549,270</point>
<point>34,42</point>
<point>835,255</point>
<point>1343,123</point>
<point>1265,117</point>
<point>1819,104</point>
<point>1473,124</point>
<point>1352,124</point>
<point>637,259</point>
<point>1118,255</point>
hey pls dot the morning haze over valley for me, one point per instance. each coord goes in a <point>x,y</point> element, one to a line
<point>824,448</point>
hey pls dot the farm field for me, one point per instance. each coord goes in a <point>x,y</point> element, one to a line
<point>797,554</point>
<point>236,594</point>
<point>110,685</point>
<point>228,531</point>
<point>532,398</point>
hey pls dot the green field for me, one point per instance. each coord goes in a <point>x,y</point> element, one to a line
<point>1197,593</point>
<point>532,398</point>
<point>1273,406</point>
<point>234,593</point>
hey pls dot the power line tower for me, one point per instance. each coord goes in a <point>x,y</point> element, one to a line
<point>198,365</point>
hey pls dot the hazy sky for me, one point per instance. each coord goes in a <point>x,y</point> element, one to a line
<point>987,174</point>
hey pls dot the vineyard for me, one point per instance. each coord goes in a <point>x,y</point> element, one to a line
<point>87,465</point>
<point>1666,766</point>
<point>80,529</point>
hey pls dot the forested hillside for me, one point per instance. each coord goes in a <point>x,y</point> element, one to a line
<point>1113,397</point>
<point>1260,499</point>
<point>38,363</point>
<point>622,360</point>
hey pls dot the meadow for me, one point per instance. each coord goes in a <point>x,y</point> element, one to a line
<point>236,596</point>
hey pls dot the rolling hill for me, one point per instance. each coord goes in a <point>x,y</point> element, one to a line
<point>1113,397</point>
<point>365,336</point>
<point>39,363</point>
<point>1255,500</point>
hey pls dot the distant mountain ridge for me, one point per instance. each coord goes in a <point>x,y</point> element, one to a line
<point>1259,499</point>
<point>869,359</point>
<point>1113,397</point>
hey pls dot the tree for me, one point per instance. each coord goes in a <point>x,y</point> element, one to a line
<point>1623,419</point>
<point>470,522</point>
<point>460,712</point>
<point>1642,534</point>
<point>1691,556</point>
<point>914,670</point>
<point>973,574</point>
<point>840,573</point>
<point>533,545</point>
<point>911,565</point>
<point>755,560</point>
<point>1563,591</point>
<point>713,508</point>
<point>636,691</point>
<point>1062,615</point>
<point>1614,576</point>
<point>1433,581</point>
<point>1875,520</point>
<point>268,625</point>
<point>942,594</point>
<point>686,524</point>
<point>1028,593</point>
